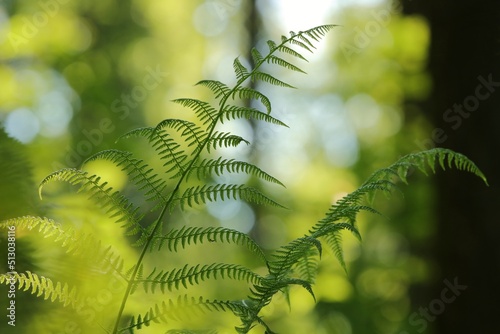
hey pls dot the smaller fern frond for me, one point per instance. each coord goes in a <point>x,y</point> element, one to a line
<point>256,57</point>
<point>211,193</point>
<point>257,75</point>
<point>181,238</point>
<point>224,139</point>
<point>235,112</point>
<point>112,202</point>
<point>183,308</point>
<point>218,88</point>
<point>203,110</point>
<point>194,275</point>
<point>283,63</point>
<point>218,166</point>
<point>80,245</point>
<point>139,172</point>
<point>250,93</point>
<point>44,287</point>
<point>191,133</point>
<point>240,70</point>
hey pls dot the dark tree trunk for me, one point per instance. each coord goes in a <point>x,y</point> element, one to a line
<point>465,103</point>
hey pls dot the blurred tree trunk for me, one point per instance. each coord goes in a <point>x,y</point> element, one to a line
<point>465,103</point>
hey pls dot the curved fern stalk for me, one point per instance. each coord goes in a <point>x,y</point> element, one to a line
<point>223,93</point>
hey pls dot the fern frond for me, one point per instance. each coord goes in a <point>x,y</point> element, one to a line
<point>285,49</point>
<point>211,193</point>
<point>203,110</point>
<point>240,70</point>
<point>166,147</point>
<point>256,56</point>
<point>80,245</point>
<point>139,173</point>
<point>257,75</point>
<point>218,166</point>
<point>287,256</point>
<point>181,238</point>
<point>220,89</point>
<point>193,275</point>
<point>283,63</point>
<point>224,139</point>
<point>181,309</point>
<point>250,93</point>
<point>235,112</point>
<point>115,205</point>
<point>191,133</point>
<point>44,287</point>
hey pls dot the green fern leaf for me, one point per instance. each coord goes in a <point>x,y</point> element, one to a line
<point>250,93</point>
<point>256,57</point>
<point>203,110</point>
<point>235,112</point>
<point>218,166</point>
<point>219,89</point>
<point>114,204</point>
<point>181,238</point>
<point>224,139</point>
<point>44,287</point>
<point>257,75</point>
<point>211,193</point>
<point>240,70</point>
<point>283,63</point>
<point>80,245</point>
<point>192,134</point>
<point>139,172</point>
<point>194,275</point>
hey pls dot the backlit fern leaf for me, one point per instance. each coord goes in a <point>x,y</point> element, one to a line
<point>114,204</point>
<point>191,133</point>
<point>235,112</point>
<point>250,93</point>
<point>218,88</point>
<point>82,246</point>
<point>257,75</point>
<point>44,287</point>
<point>183,308</point>
<point>203,110</point>
<point>240,70</point>
<point>193,275</point>
<point>165,145</point>
<point>283,63</point>
<point>211,193</point>
<point>218,166</point>
<point>138,172</point>
<point>224,139</point>
<point>186,236</point>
